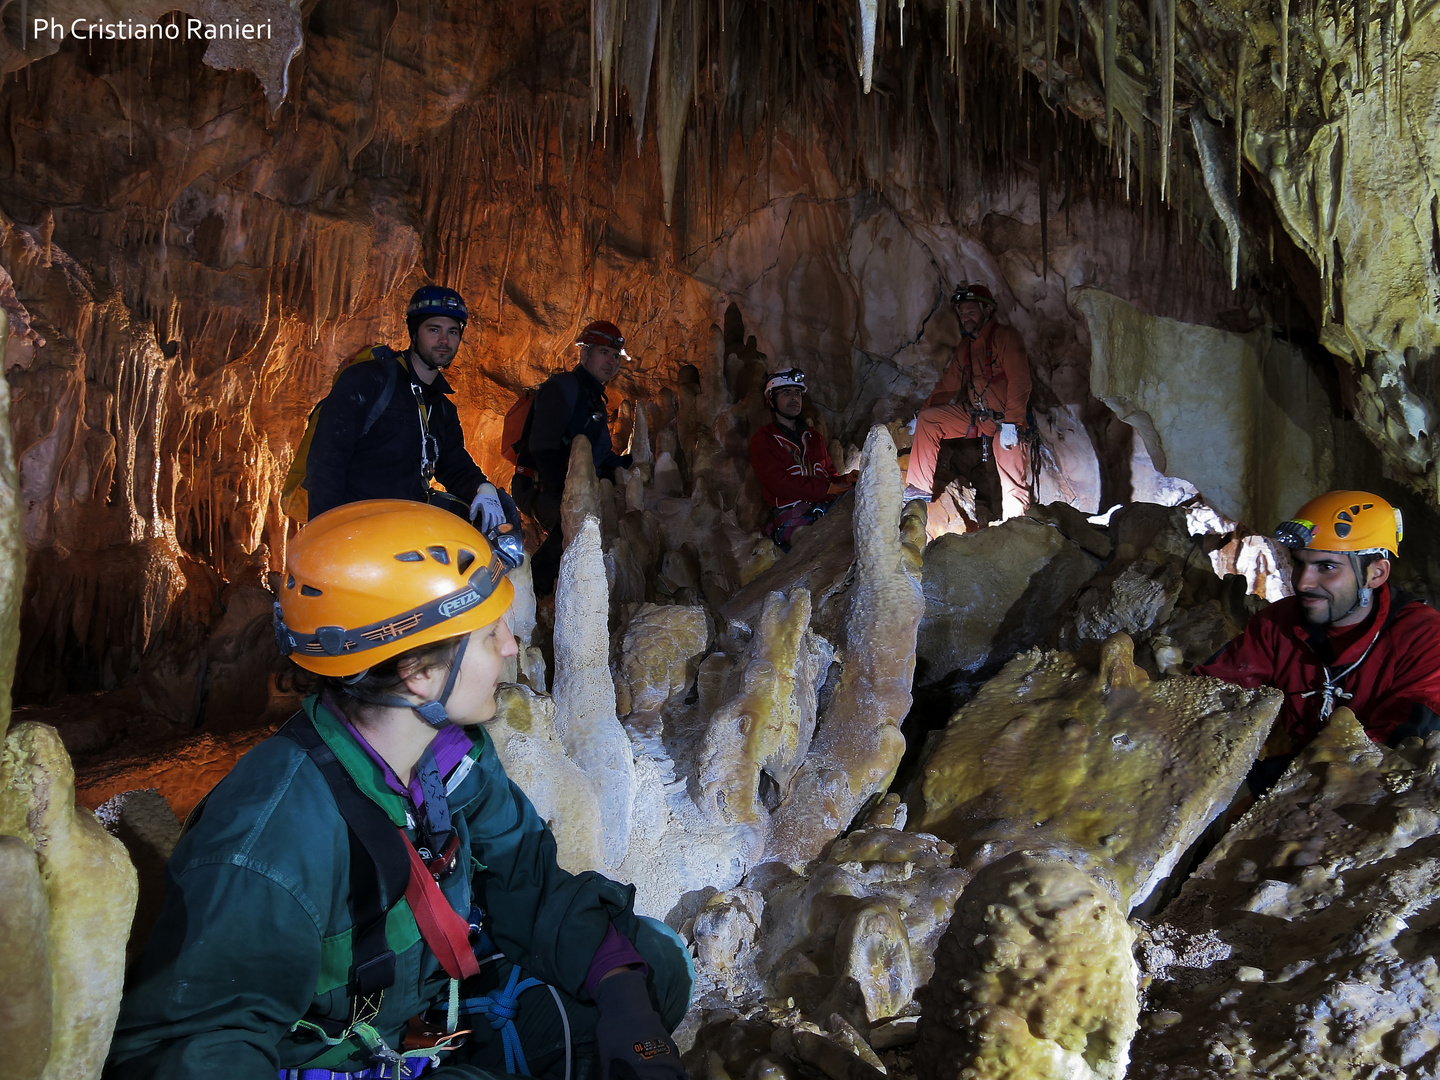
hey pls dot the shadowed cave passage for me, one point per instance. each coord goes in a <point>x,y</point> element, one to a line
<point>1212,228</point>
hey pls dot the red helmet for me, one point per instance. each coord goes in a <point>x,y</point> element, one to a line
<point>981,294</point>
<point>601,332</point>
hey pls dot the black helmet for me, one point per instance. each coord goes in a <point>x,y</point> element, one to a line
<point>432,300</point>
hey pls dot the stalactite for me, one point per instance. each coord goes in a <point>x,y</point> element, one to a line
<point>865,42</point>
<point>1240,114</point>
<point>1167,96</point>
<point>674,84</point>
<point>637,56</point>
<point>1107,67</point>
<point>1385,33</point>
<point>1052,34</point>
<point>1285,57</point>
<point>1223,201</point>
<point>901,5</point>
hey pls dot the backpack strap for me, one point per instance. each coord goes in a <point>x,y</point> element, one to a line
<point>387,390</point>
<point>379,862</point>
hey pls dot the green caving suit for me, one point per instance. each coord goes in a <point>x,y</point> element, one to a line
<point>255,931</point>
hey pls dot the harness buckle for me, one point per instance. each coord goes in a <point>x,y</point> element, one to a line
<point>442,864</point>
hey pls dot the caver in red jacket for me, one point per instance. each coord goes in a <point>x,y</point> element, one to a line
<point>1394,690</point>
<point>792,467</point>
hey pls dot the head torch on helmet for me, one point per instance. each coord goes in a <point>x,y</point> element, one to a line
<point>1350,521</point>
<point>790,377</point>
<point>977,293</point>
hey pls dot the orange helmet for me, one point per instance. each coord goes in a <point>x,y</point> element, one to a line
<point>1352,521</point>
<point>370,580</point>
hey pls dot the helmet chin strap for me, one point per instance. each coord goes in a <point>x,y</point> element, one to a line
<point>1362,594</point>
<point>432,712</point>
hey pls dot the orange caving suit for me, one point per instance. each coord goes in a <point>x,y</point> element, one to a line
<point>988,372</point>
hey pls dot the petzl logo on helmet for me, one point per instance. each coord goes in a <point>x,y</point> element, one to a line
<point>458,603</point>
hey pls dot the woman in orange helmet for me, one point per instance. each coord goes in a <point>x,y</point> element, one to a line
<point>357,898</point>
<point>1345,637</point>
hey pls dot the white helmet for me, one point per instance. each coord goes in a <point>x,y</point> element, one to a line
<point>783,379</point>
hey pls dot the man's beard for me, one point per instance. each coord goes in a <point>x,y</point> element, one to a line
<point>1330,614</point>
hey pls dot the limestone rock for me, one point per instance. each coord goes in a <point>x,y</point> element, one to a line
<point>534,758</point>
<point>1111,768</point>
<point>662,647</point>
<point>992,594</point>
<point>820,559</point>
<point>757,740</point>
<point>859,934</point>
<point>90,889</point>
<point>26,1019</point>
<point>145,824</point>
<point>1034,979</point>
<point>1186,388</point>
<point>1300,946</point>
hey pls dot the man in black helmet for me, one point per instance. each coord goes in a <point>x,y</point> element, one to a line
<point>388,427</point>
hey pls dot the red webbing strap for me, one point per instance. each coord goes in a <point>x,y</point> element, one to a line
<point>447,934</point>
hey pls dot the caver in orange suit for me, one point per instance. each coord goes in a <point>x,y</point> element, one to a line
<point>986,383</point>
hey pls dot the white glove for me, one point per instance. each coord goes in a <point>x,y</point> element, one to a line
<point>1008,436</point>
<point>910,427</point>
<point>486,511</point>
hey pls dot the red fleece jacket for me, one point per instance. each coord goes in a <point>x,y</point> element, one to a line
<point>1395,691</point>
<point>791,470</point>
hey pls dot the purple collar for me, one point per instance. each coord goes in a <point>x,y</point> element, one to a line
<point>450,746</point>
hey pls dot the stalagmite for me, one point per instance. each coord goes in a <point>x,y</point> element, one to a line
<point>770,721</point>
<point>674,83</point>
<point>865,41</point>
<point>534,757</point>
<point>1215,185</point>
<point>584,693</point>
<point>90,889</point>
<point>581,499</point>
<point>858,747</point>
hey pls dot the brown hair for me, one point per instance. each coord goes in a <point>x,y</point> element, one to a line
<point>376,683</point>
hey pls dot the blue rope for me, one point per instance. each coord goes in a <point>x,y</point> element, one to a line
<point>500,1010</point>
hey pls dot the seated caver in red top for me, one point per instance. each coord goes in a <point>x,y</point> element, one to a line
<point>1345,638</point>
<point>791,462</point>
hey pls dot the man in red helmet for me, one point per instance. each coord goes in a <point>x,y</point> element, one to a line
<point>569,404</point>
<point>983,394</point>
<point>1345,638</point>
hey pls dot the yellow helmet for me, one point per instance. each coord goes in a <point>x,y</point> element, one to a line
<point>369,580</point>
<point>1353,521</point>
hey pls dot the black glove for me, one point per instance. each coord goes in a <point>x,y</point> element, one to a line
<point>631,1038</point>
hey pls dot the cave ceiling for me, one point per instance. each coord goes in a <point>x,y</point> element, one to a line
<point>196,232</point>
